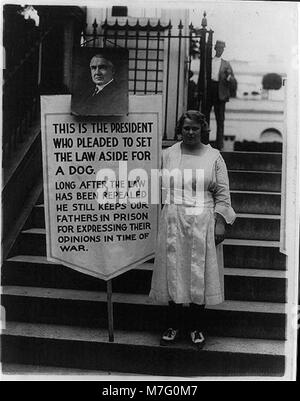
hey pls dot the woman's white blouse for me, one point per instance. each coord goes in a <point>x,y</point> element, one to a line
<point>188,266</point>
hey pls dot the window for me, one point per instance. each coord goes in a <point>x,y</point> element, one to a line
<point>271,135</point>
<point>119,11</point>
<point>136,12</point>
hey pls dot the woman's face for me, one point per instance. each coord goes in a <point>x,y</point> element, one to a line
<point>191,132</point>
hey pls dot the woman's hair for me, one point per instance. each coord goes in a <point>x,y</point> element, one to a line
<point>195,116</point>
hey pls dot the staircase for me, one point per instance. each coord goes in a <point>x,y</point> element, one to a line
<point>57,317</point>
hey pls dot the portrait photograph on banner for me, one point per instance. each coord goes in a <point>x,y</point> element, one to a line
<point>100,82</point>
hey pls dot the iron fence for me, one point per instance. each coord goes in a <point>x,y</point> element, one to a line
<point>150,48</point>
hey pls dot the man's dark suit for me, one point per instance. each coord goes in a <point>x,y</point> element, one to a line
<point>111,100</point>
<point>218,95</point>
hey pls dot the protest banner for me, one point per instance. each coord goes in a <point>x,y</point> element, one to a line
<point>97,180</point>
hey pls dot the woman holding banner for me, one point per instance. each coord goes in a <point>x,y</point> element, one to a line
<point>188,267</point>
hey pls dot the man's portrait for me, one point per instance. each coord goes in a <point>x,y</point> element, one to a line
<point>100,82</point>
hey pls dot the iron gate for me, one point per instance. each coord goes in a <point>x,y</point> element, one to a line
<point>150,57</point>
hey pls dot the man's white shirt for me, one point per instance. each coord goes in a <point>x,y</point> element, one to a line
<point>99,88</point>
<point>215,68</point>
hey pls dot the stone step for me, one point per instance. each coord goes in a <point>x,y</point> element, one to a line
<point>253,161</point>
<point>253,146</point>
<point>240,284</point>
<point>10,370</point>
<point>137,352</point>
<point>256,202</point>
<point>255,227</point>
<point>258,285</point>
<point>253,254</point>
<point>264,320</point>
<point>254,181</point>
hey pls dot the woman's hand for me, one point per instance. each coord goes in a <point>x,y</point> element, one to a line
<point>220,229</point>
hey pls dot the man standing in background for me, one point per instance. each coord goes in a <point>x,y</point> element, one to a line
<point>221,78</point>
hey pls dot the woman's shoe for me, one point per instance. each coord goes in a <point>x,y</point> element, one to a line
<point>169,336</point>
<point>198,339</point>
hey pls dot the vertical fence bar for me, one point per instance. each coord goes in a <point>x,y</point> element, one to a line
<point>190,48</point>
<point>40,55</point>
<point>209,53</point>
<point>204,25</point>
<point>201,70</point>
<point>126,34</point>
<point>202,84</point>
<point>190,88</point>
<point>147,55</point>
<point>105,33</point>
<point>136,55</point>
<point>157,56</point>
<point>83,35</point>
<point>204,99</point>
<point>95,25</point>
<point>167,83</point>
<point>180,27</point>
<point>208,71</point>
<point>116,32</point>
